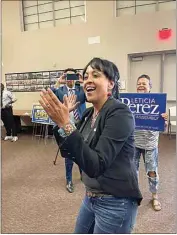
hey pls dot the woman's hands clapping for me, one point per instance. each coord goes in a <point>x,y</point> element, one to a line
<point>57,111</point>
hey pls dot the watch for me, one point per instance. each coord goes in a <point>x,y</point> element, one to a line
<point>66,130</point>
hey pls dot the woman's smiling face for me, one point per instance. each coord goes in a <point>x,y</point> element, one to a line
<point>143,85</point>
<point>96,85</point>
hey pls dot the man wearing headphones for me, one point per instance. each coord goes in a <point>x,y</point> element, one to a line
<point>67,86</point>
<point>146,144</point>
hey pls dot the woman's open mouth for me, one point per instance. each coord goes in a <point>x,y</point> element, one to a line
<point>90,89</point>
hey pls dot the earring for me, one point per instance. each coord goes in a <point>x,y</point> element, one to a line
<point>109,92</point>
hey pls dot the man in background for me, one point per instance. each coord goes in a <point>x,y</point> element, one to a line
<point>7,99</point>
<point>71,87</point>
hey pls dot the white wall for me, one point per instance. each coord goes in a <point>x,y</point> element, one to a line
<point>67,45</point>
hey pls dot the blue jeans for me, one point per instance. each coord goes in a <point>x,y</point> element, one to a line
<point>150,158</point>
<point>69,166</point>
<point>106,214</point>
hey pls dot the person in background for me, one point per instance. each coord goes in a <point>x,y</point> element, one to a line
<point>146,143</point>
<point>103,147</point>
<point>7,99</point>
<point>72,88</point>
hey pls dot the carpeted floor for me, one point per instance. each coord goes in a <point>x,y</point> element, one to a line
<point>34,199</point>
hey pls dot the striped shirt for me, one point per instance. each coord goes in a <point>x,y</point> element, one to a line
<point>145,139</point>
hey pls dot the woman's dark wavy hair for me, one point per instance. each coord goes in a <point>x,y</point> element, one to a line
<point>109,69</point>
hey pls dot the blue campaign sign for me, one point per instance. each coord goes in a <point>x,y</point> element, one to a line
<point>39,115</point>
<point>147,109</point>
